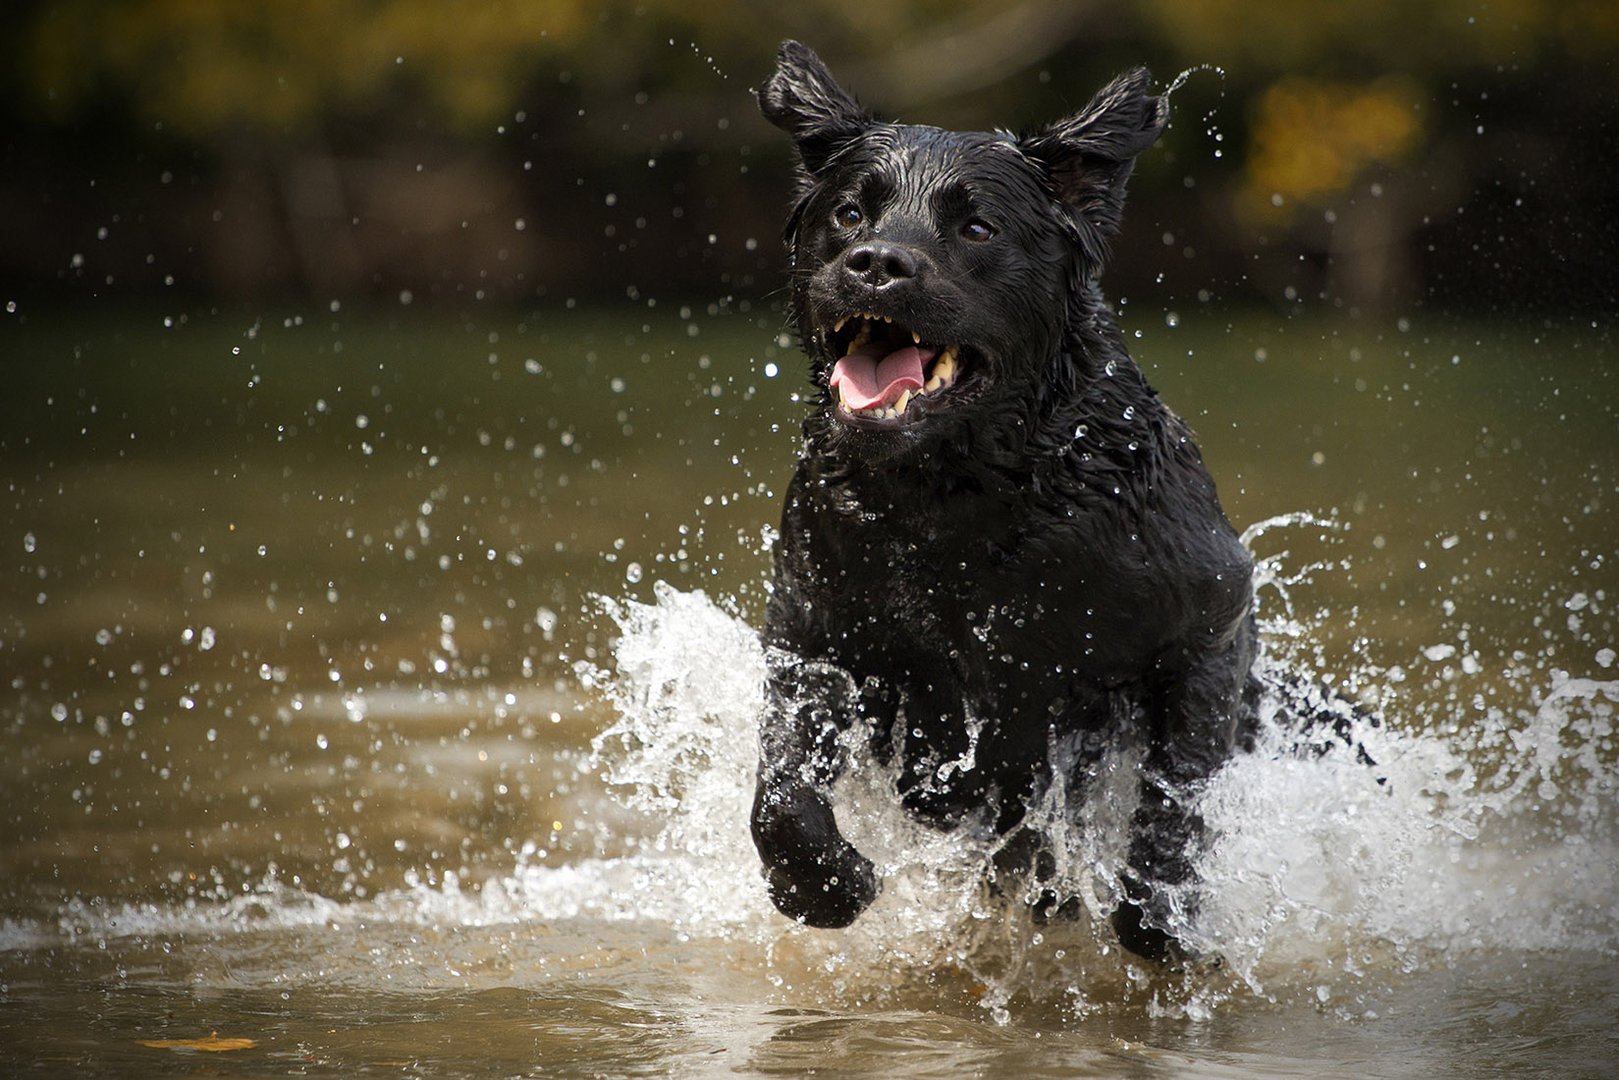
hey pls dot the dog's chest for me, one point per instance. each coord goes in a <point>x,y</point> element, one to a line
<point>959,590</point>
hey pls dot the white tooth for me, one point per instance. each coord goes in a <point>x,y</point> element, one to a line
<point>944,369</point>
<point>916,339</point>
<point>904,400</point>
<point>861,336</point>
<point>933,384</point>
<point>889,414</point>
<point>839,325</point>
<point>843,397</point>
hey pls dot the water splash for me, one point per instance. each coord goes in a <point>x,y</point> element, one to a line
<point>688,689</point>
<point>1474,830</point>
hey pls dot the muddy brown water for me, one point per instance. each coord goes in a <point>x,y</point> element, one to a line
<point>316,735</point>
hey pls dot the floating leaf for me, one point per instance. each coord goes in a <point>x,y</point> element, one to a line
<point>213,1043</point>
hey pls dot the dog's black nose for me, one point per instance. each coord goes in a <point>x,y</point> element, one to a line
<point>878,264</point>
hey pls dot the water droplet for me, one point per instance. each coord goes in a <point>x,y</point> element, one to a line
<point>632,573</point>
<point>29,543</point>
<point>1129,412</point>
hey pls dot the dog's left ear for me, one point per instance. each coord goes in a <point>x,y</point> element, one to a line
<point>803,99</point>
<point>1088,156</point>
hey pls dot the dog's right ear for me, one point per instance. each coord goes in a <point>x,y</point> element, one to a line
<point>1088,156</point>
<point>804,100</point>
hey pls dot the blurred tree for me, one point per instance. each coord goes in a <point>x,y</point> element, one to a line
<point>1351,150</point>
<point>350,144</point>
<point>206,68</point>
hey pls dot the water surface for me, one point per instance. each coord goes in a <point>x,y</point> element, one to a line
<point>317,734</point>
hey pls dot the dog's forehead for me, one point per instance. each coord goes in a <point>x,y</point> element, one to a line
<point>915,154</point>
<point>945,143</point>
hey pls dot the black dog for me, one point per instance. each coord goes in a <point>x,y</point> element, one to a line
<point>1001,550</point>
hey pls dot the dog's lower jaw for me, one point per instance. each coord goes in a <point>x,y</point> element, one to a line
<point>812,873</point>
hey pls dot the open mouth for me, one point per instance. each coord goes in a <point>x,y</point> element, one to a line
<point>885,369</point>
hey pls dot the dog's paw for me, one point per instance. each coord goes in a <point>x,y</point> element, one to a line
<point>829,892</point>
<point>1144,939</point>
<point>936,805</point>
<point>814,875</point>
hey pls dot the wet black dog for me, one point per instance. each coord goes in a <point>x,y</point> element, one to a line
<point>1001,550</point>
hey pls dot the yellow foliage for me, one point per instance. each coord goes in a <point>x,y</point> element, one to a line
<point>199,66</point>
<point>1422,36</point>
<point>212,1044</point>
<point>1311,138</point>
<point>202,67</point>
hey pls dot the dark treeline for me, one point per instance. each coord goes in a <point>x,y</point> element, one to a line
<point>1370,156</point>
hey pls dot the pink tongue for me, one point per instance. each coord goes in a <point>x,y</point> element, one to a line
<point>868,378</point>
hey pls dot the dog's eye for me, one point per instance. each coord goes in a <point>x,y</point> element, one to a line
<point>847,217</point>
<point>976,231</point>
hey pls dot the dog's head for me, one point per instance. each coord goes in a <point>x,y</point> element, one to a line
<point>933,271</point>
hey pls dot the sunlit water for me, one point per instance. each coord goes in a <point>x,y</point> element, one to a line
<point>386,695</point>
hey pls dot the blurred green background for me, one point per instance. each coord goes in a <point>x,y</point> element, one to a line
<point>1374,156</point>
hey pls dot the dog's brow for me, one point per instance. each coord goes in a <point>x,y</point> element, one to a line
<point>954,198</point>
<point>878,186</point>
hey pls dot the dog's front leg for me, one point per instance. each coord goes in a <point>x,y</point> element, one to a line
<point>813,873</point>
<point>1195,732</point>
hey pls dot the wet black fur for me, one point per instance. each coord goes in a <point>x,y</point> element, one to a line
<point>1042,550</point>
